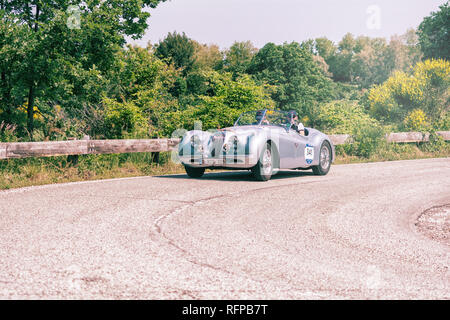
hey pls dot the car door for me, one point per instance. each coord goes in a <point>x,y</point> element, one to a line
<point>304,153</point>
<point>288,149</point>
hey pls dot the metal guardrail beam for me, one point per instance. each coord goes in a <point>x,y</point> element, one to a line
<point>15,150</point>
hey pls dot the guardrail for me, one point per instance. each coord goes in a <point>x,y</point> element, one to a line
<point>15,150</point>
<point>397,137</point>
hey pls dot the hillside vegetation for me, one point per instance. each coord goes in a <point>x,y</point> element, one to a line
<point>67,72</point>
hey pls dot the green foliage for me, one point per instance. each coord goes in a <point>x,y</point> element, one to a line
<point>443,123</point>
<point>436,144</point>
<point>178,50</point>
<point>298,82</point>
<point>434,34</point>
<point>367,138</point>
<point>342,117</point>
<point>59,82</point>
<point>123,120</point>
<point>208,57</point>
<point>366,61</point>
<point>427,86</point>
<point>226,100</point>
<point>52,55</point>
<point>7,132</point>
<point>239,56</point>
<point>417,120</point>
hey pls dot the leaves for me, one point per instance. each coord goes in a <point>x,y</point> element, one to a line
<point>298,81</point>
<point>426,86</point>
<point>434,36</point>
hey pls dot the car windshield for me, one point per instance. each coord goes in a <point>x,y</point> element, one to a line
<point>250,118</point>
<point>263,117</point>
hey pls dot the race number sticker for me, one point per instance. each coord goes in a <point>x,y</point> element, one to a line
<point>309,154</point>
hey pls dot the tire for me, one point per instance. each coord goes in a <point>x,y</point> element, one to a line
<point>264,168</point>
<point>324,160</point>
<point>194,172</point>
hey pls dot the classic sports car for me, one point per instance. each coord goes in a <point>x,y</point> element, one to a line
<point>262,141</point>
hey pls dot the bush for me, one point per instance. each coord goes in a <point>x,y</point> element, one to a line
<point>124,120</point>
<point>443,123</point>
<point>342,117</point>
<point>416,120</point>
<point>7,132</point>
<point>367,139</point>
<point>426,87</point>
<point>435,144</point>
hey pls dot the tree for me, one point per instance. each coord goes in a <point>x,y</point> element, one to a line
<point>434,36</point>
<point>239,56</point>
<point>177,49</point>
<point>226,100</point>
<point>140,78</point>
<point>404,51</point>
<point>12,54</point>
<point>325,48</point>
<point>298,82</point>
<point>208,57</point>
<point>56,50</point>
<point>365,61</point>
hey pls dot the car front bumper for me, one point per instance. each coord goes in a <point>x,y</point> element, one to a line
<point>228,161</point>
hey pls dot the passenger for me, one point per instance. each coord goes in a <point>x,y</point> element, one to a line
<point>293,120</point>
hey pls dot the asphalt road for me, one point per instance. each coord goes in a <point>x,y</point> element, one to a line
<point>350,234</point>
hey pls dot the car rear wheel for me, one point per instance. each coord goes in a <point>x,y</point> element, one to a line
<point>194,172</point>
<point>324,160</point>
<point>264,168</point>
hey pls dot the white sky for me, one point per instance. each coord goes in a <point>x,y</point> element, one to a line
<point>224,21</point>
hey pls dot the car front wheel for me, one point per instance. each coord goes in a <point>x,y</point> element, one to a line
<point>324,160</point>
<point>264,168</point>
<point>194,172</point>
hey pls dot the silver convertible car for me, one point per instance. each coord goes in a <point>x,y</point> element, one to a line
<point>262,141</point>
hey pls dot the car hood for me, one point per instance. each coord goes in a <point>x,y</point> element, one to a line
<point>244,129</point>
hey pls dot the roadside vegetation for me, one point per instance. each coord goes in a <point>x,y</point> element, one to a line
<point>66,72</point>
<point>19,173</point>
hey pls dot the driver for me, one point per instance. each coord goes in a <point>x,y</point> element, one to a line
<point>293,120</point>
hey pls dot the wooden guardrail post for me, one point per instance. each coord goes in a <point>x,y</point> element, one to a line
<point>155,157</point>
<point>3,150</point>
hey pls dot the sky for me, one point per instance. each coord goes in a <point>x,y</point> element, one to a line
<point>223,22</point>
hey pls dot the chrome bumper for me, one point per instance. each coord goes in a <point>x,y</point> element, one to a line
<point>228,161</point>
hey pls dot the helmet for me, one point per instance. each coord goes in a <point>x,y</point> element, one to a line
<point>292,114</point>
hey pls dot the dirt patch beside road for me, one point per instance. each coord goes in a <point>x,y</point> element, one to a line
<point>435,223</point>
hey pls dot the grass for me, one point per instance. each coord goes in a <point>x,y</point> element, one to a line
<point>393,152</point>
<point>17,173</point>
